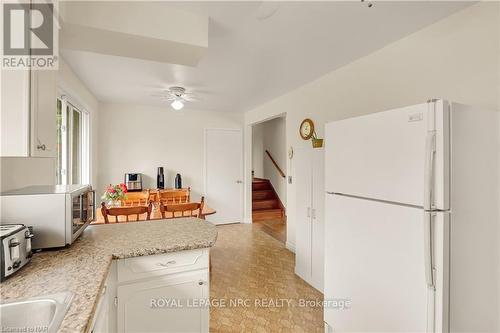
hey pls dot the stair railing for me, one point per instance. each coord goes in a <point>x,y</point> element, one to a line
<point>282,174</point>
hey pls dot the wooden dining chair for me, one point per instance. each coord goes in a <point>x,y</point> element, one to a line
<point>187,209</point>
<point>171,196</point>
<point>126,211</point>
<point>137,198</point>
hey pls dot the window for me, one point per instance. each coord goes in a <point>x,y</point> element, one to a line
<point>72,144</point>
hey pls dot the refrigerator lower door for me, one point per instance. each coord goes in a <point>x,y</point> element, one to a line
<point>440,251</point>
<point>375,259</point>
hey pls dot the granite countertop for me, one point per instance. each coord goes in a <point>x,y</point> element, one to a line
<point>82,267</point>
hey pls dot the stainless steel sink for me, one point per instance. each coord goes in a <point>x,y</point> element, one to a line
<point>37,314</point>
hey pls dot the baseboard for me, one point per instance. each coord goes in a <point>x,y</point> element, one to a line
<point>290,246</point>
<point>247,220</point>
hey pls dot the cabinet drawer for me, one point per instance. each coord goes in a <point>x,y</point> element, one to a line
<point>136,314</point>
<point>131,269</point>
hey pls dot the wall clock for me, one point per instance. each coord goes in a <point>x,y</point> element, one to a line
<point>306,129</point>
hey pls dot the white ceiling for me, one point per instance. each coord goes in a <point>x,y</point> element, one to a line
<point>250,60</point>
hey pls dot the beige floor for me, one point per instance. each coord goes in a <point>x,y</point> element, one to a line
<point>250,266</point>
<point>274,228</point>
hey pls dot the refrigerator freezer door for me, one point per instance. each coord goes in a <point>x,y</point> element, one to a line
<point>375,258</point>
<point>383,155</point>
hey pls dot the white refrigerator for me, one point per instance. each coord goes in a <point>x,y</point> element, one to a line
<point>412,221</point>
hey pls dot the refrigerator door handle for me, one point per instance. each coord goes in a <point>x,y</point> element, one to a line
<point>428,248</point>
<point>430,151</point>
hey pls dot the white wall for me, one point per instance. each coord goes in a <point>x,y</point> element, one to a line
<point>258,150</point>
<point>78,93</point>
<point>275,142</point>
<point>456,58</point>
<point>18,172</point>
<point>135,138</point>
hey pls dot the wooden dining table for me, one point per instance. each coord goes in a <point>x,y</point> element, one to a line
<point>155,215</point>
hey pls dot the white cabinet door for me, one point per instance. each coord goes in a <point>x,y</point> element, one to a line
<point>303,231</point>
<point>309,181</point>
<point>111,291</point>
<point>14,112</point>
<point>317,225</point>
<point>105,316</point>
<point>101,323</point>
<point>143,307</point>
<point>43,113</point>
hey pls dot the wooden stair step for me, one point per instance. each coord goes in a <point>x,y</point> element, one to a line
<point>265,204</point>
<point>267,214</point>
<point>261,185</point>
<point>263,194</point>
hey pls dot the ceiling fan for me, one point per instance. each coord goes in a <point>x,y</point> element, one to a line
<point>177,96</point>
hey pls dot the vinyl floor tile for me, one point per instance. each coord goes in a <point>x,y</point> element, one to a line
<point>254,284</point>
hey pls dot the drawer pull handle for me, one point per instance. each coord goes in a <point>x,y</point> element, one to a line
<point>166,264</point>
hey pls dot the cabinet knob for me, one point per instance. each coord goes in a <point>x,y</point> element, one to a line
<point>41,147</point>
<point>201,283</point>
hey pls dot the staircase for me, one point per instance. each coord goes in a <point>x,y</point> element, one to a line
<point>265,202</point>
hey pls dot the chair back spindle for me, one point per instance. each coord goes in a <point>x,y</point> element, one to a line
<point>186,209</point>
<point>126,211</point>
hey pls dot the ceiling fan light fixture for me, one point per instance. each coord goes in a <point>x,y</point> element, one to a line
<point>177,104</point>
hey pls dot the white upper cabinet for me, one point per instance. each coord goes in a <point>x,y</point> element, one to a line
<point>14,116</point>
<point>43,113</point>
<point>28,113</point>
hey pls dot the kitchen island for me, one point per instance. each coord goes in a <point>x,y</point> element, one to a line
<point>83,268</point>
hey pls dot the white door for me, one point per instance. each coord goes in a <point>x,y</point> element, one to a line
<point>224,175</point>
<point>303,213</point>
<point>382,155</point>
<point>318,218</point>
<point>374,258</point>
<point>161,304</point>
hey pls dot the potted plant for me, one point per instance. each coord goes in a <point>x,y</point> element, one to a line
<point>114,195</point>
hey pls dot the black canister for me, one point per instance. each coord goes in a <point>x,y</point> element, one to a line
<point>160,179</point>
<point>178,181</point>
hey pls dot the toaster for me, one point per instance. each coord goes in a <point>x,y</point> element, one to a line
<point>15,248</point>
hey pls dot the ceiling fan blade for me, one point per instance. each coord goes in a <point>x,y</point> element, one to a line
<point>164,98</point>
<point>190,98</point>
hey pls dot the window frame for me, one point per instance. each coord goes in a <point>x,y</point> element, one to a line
<point>68,106</point>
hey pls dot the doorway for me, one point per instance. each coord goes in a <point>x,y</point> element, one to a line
<point>269,184</point>
<point>224,174</point>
